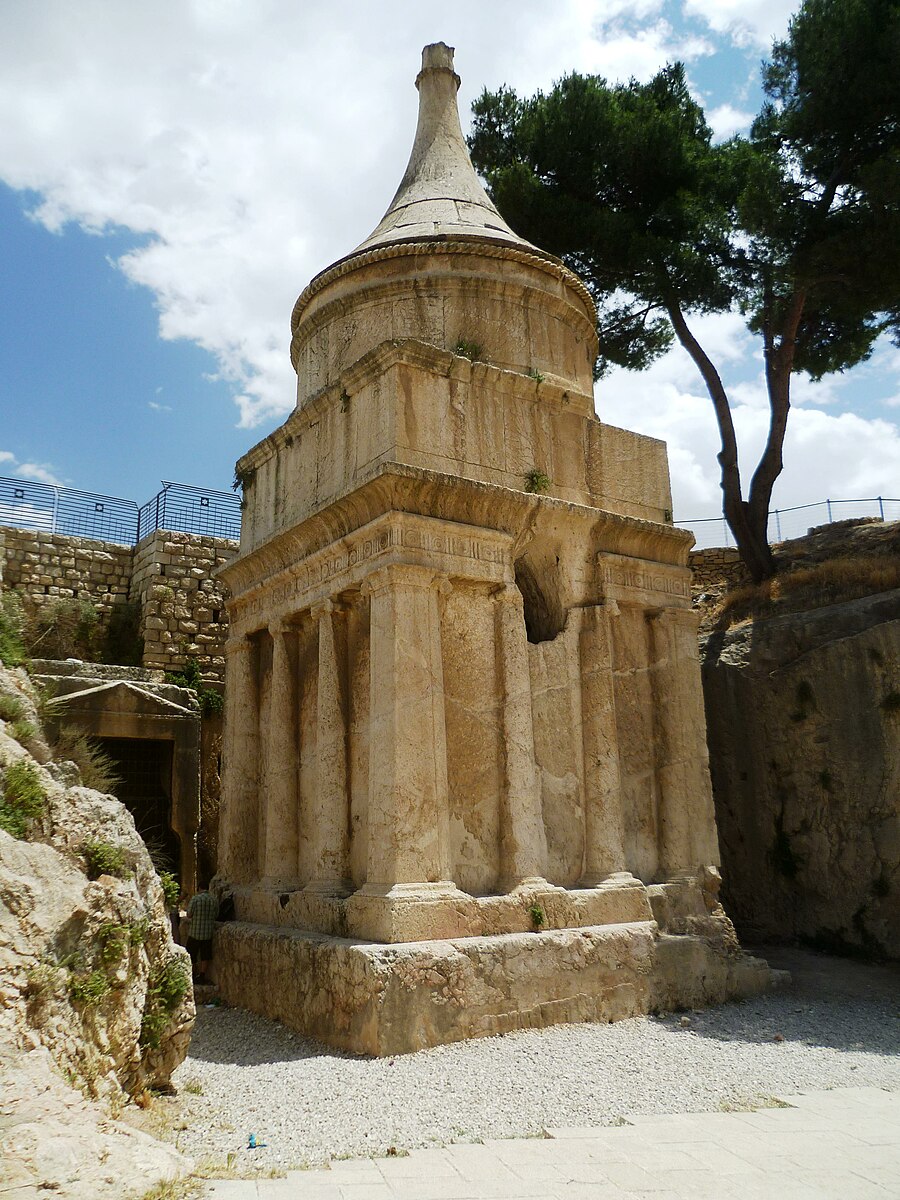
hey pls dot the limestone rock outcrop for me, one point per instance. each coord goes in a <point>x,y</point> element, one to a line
<point>803,713</point>
<point>90,978</point>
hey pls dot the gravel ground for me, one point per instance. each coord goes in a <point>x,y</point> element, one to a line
<point>839,1021</point>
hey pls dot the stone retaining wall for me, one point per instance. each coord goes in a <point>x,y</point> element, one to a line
<point>44,567</point>
<point>182,603</point>
<point>171,576</point>
<point>716,568</point>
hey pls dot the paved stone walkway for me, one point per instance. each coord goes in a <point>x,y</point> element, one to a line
<point>835,1145</point>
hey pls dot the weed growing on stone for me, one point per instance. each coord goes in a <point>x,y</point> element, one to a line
<point>166,989</point>
<point>11,708</point>
<point>12,646</point>
<point>470,350</point>
<point>189,677</point>
<point>96,768</point>
<point>171,888</point>
<point>64,628</point>
<point>88,990</point>
<point>103,858</point>
<point>536,375</point>
<point>536,913</point>
<point>537,482</point>
<point>22,798</point>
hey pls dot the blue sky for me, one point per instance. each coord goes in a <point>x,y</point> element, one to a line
<point>172,175</point>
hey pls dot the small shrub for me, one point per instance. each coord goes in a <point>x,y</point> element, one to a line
<point>166,988</point>
<point>12,645</point>
<point>23,731</point>
<point>103,858</point>
<point>171,888</point>
<point>242,482</point>
<point>537,482</point>
<point>65,628</point>
<point>469,350</point>
<point>536,375</point>
<point>11,708</point>
<point>88,990</point>
<point>536,913</point>
<point>138,931</point>
<point>112,941</point>
<point>189,677</point>
<point>22,798</point>
<point>95,766</point>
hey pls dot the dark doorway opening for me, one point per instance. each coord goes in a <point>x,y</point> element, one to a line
<point>145,767</point>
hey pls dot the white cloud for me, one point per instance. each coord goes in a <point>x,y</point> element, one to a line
<point>253,143</point>
<point>39,472</point>
<point>726,120</point>
<point>837,455</point>
<point>159,407</point>
<point>746,22</point>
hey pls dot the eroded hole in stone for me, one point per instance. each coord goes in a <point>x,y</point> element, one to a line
<point>538,582</point>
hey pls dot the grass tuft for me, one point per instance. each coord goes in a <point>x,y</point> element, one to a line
<point>22,798</point>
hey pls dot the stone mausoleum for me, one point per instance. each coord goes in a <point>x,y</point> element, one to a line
<point>465,779</point>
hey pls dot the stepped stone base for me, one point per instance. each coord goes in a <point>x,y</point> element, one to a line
<point>393,999</point>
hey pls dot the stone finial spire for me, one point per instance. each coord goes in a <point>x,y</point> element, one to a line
<point>440,196</point>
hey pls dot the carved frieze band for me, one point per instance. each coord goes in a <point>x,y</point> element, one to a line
<point>407,535</point>
<point>649,584</point>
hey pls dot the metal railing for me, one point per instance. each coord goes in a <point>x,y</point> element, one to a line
<point>47,508</point>
<point>794,522</point>
<point>185,509</point>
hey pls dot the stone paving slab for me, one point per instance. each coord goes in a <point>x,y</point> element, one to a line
<point>836,1145</point>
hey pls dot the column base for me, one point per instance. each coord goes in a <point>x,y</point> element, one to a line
<point>411,912</point>
<point>340,889</point>
<point>612,879</point>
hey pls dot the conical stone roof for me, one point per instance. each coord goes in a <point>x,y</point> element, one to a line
<point>440,196</point>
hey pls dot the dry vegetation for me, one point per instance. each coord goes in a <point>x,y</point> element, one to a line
<point>831,565</point>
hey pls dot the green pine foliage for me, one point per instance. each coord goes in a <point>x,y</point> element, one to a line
<point>796,226</point>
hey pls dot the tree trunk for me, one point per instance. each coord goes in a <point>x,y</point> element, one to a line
<point>747,522</point>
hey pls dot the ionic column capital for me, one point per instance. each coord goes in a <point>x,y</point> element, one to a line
<point>322,608</point>
<point>238,645</point>
<point>407,576</point>
<point>508,593</point>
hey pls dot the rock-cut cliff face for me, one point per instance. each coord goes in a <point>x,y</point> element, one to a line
<point>94,994</point>
<point>803,714</point>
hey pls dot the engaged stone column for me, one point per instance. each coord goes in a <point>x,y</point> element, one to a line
<point>238,842</point>
<point>673,703</point>
<point>523,840</point>
<point>408,792</point>
<point>604,851</point>
<point>281,799</point>
<point>329,829</point>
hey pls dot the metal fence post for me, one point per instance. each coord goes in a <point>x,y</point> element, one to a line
<point>828,506</point>
<point>881,507</point>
